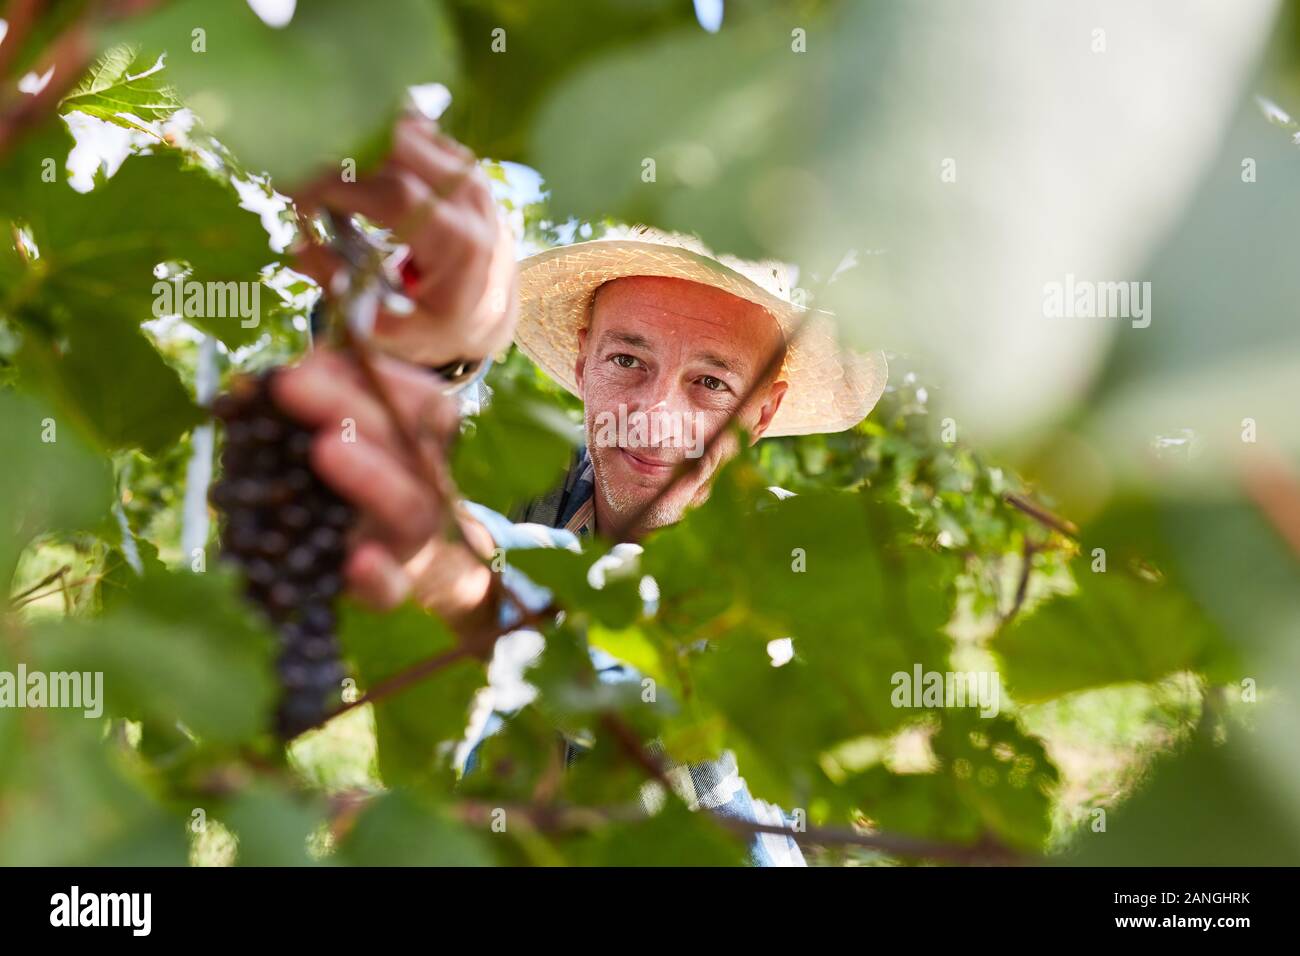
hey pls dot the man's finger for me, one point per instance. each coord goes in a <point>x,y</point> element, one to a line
<point>377,482</point>
<point>453,175</point>
<point>325,390</point>
<point>385,196</point>
<point>318,262</point>
<point>328,393</point>
<point>375,577</point>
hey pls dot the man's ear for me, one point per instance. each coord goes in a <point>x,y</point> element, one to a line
<point>580,362</point>
<point>775,393</point>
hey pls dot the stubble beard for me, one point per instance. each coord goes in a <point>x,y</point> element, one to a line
<point>625,502</point>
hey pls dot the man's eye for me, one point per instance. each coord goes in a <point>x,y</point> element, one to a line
<point>625,361</point>
<point>713,384</point>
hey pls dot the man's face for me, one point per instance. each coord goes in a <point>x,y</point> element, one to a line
<point>662,366</point>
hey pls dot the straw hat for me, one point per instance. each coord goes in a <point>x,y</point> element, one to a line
<point>831,388</point>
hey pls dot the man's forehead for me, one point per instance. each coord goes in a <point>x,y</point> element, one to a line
<point>658,305</point>
<point>670,294</point>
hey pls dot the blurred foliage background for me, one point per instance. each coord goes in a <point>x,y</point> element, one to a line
<point>1107,515</point>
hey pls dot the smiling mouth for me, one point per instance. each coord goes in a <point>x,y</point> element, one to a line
<point>646,466</point>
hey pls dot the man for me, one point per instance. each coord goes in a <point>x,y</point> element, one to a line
<point>665,345</point>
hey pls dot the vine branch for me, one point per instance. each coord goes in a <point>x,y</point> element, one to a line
<point>1042,515</point>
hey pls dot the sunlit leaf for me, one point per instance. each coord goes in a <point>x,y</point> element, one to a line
<point>249,82</point>
<point>117,91</point>
<point>418,726</point>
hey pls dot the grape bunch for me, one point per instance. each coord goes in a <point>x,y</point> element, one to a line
<point>286,532</point>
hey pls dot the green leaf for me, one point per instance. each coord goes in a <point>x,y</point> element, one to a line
<point>573,695</point>
<point>106,375</point>
<point>565,573</point>
<point>993,780</point>
<point>98,250</point>
<point>499,89</point>
<point>81,296</point>
<point>115,90</point>
<point>522,426</point>
<point>1210,806</point>
<point>295,100</point>
<point>57,484</point>
<point>1119,627</point>
<point>712,111</point>
<point>632,646</point>
<point>273,827</point>
<point>417,726</point>
<point>175,646</point>
<point>672,837</point>
<point>66,799</point>
<point>838,573</point>
<point>508,764</point>
<point>401,828</point>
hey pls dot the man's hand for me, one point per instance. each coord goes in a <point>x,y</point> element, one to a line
<point>399,550</point>
<point>435,198</point>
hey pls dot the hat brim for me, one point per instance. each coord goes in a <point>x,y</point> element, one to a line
<point>831,388</point>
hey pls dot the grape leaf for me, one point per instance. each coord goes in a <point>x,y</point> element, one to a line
<point>272,826</point>
<point>98,250</point>
<point>51,479</point>
<point>175,646</point>
<point>993,779</point>
<point>1209,806</point>
<point>509,763</point>
<point>565,573</point>
<point>1118,628</point>
<point>713,112</point>
<point>839,574</point>
<point>116,89</point>
<point>517,448</point>
<point>417,725</point>
<point>68,800</point>
<point>401,828</point>
<point>105,374</point>
<point>672,837</point>
<point>250,82</point>
<point>515,54</point>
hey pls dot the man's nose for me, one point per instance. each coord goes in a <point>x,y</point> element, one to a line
<point>663,403</point>
<point>661,395</point>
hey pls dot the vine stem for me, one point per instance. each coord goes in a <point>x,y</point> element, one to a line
<point>567,818</point>
<point>43,582</point>
<point>1042,515</point>
<point>27,597</point>
<point>1022,586</point>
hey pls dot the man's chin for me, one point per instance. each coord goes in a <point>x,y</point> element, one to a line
<point>629,490</point>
